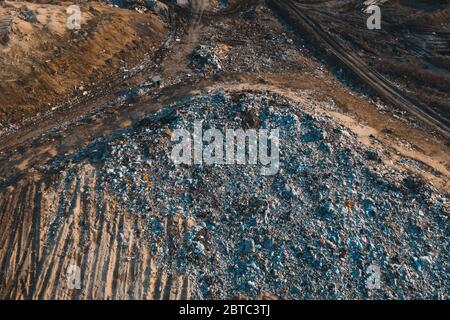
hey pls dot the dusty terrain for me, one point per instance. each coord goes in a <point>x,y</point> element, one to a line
<point>392,66</point>
<point>87,180</point>
<point>43,62</point>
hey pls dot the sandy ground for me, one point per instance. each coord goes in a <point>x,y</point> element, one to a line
<point>44,62</point>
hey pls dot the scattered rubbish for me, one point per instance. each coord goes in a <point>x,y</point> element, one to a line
<point>27,15</point>
<point>156,81</point>
<point>204,60</point>
<point>326,215</point>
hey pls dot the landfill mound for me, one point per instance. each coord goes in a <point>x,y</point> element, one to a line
<point>142,227</point>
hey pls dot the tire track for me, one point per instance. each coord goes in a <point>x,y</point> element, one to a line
<point>69,222</point>
<point>372,78</point>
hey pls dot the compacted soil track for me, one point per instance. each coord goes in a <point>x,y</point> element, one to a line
<point>376,81</point>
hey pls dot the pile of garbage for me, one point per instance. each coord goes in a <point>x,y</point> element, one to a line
<point>155,6</point>
<point>332,214</point>
<point>27,15</point>
<point>203,59</point>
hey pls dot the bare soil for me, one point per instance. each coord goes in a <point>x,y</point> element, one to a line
<point>43,62</point>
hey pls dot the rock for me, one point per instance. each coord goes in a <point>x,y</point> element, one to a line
<point>199,248</point>
<point>373,155</point>
<point>27,15</point>
<point>369,206</point>
<point>248,246</point>
<point>327,208</point>
<point>268,243</point>
<point>204,59</point>
<point>413,183</point>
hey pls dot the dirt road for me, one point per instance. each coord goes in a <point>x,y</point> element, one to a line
<point>178,62</point>
<point>375,80</point>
